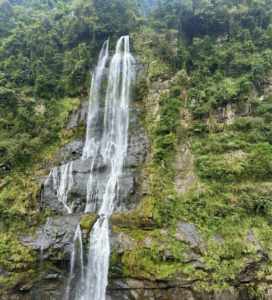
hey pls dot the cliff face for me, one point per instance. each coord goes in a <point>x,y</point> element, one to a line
<point>194,206</point>
<point>136,235</point>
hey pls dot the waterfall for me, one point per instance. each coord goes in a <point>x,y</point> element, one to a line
<point>105,146</point>
<point>74,251</point>
<point>63,183</point>
<point>91,144</point>
<point>110,150</point>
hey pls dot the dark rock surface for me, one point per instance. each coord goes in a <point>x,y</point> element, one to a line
<point>54,237</point>
<point>138,146</point>
<point>79,116</point>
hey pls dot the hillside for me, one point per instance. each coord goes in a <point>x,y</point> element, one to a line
<point>197,184</point>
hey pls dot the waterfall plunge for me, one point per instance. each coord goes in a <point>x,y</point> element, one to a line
<point>112,150</point>
<point>108,148</point>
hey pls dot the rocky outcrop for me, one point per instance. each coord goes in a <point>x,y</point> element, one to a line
<point>87,223</point>
<point>138,146</point>
<point>54,239</point>
<point>184,165</point>
<point>132,219</point>
<point>79,116</point>
<point>129,230</point>
<point>158,87</point>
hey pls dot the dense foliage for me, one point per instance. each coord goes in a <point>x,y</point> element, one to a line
<point>218,57</point>
<point>219,107</point>
<point>47,49</point>
<point>46,54</point>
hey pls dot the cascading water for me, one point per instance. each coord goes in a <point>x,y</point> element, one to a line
<point>111,151</point>
<point>62,182</point>
<point>77,239</point>
<point>105,146</point>
<point>91,146</point>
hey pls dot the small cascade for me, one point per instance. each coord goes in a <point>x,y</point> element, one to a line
<point>46,224</point>
<point>92,144</point>
<point>44,237</point>
<point>76,261</point>
<point>38,295</point>
<point>63,181</point>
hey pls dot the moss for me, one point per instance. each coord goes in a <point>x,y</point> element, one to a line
<point>47,210</point>
<point>127,272</point>
<point>88,221</point>
<point>114,257</point>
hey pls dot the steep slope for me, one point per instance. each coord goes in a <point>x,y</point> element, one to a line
<point>198,225</point>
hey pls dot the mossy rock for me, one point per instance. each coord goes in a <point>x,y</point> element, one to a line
<point>133,220</point>
<point>88,221</point>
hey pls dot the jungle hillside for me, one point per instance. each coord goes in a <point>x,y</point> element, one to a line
<point>216,57</point>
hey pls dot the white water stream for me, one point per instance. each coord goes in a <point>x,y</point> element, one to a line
<point>62,182</point>
<point>77,251</point>
<point>111,150</point>
<point>105,146</point>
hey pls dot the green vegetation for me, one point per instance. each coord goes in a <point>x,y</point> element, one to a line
<point>217,58</point>
<point>47,49</point>
<point>88,221</point>
<point>219,53</point>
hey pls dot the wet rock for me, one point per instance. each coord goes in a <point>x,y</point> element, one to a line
<point>56,236</point>
<point>71,150</point>
<point>199,265</point>
<point>88,221</point>
<point>43,290</point>
<point>52,274</point>
<point>122,219</point>
<point>117,284</point>
<point>180,294</point>
<point>118,295</point>
<point>116,270</point>
<point>126,241</point>
<point>180,281</point>
<point>115,245</point>
<point>40,179</point>
<point>128,194</point>
<point>4,274</point>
